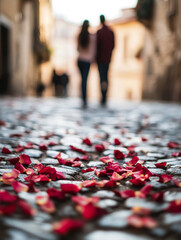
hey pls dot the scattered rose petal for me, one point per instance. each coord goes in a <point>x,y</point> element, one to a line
<point>174,207</point>
<point>133,161</point>
<point>88,169</point>
<point>87,141</point>
<point>66,225</point>
<point>117,141</point>
<point>70,188</point>
<point>90,211</point>
<point>57,194</point>
<point>19,187</point>
<point>77,149</point>
<point>106,159</point>
<point>26,208</point>
<point>20,167</point>
<point>177,154</point>
<point>118,154</point>
<point>43,147</point>
<point>158,197</point>
<point>24,159</point>
<point>140,222</point>
<point>8,210</point>
<point>19,149</point>
<point>141,211</point>
<point>99,147</point>
<point>82,200</point>
<point>5,150</point>
<point>173,145</point>
<point>45,204</point>
<point>85,158</point>
<point>88,183</point>
<point>9,178</point>
<point>6,197</point>
<point>165,178</point>
<point>177,183</point>
<point>13,160</point>
<point>116,177</point>
<point>161,165</point>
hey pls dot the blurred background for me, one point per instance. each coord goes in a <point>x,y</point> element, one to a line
<point>38,37</point>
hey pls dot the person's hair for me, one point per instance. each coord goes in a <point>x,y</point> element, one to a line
<point>102,19</point>
<point>83,38</point>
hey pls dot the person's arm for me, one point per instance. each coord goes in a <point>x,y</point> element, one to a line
<point>113,40</point>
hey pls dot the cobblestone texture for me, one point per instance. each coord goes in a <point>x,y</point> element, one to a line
<point>147,127</point>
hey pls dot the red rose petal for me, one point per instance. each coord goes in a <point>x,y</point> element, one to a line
<point>19,149</point>
<point>126,193</point>
<point>177,154</point>
<point>57,194</point>
<point>165,178</point>
<point>5,150</point>
<point>116,177</point>
<point>20,167</point>
<point>117,141</point>
<point>66,225</point>
<point>137,182</point>
<point>19,187</point>
<point>7,197</point>
<point>177,183</point>
<point>77,149</point>
<point>70,188</point>
<point>24,159</point>
<point>99,147</point>
<point>173,145</point>
<point>7,210</point>
<point>13,160</point>
<point>158,197</point>
<point>9,178</point>
<point>90,211</point>
<point>118,154</point>
<point>133,161</point>
<point>87,141</point>
<point>45,204</point>
<point>146,189</point>
<point>88,183</point>
<point>139,222</point>
<point>26,208</point>
<point>141,211</point>
<point>161,165</point>
<point>174,207</point>
<point>88,170</point>
<point>43,147</point>
<point>106,159</point>
<point>82,200</point>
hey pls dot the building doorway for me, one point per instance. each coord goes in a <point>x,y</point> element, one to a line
<point>4,59</point>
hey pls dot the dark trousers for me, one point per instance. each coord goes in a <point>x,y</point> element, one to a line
<point>84,71</point>
<point>103,73</point>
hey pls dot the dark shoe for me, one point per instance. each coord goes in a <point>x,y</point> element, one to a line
<point>103,103</point>
<point>84,105</point>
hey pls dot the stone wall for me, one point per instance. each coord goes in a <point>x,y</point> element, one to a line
<point>162,53</point>
<point>18,17</point>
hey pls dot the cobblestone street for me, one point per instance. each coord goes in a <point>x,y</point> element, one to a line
<point>100,173</point>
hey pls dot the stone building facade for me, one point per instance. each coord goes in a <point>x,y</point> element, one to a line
<point>22,50</point>
<point>19,70</point>
<point>126,70</point>
<point>162,52</point>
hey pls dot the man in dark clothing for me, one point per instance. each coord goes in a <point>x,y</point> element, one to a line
<point>105,45</point>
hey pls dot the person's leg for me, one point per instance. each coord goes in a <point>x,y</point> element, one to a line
<point>103,73</point>
<point>84,70</point>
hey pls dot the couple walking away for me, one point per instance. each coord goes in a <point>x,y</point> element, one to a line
<point>95,47</point>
